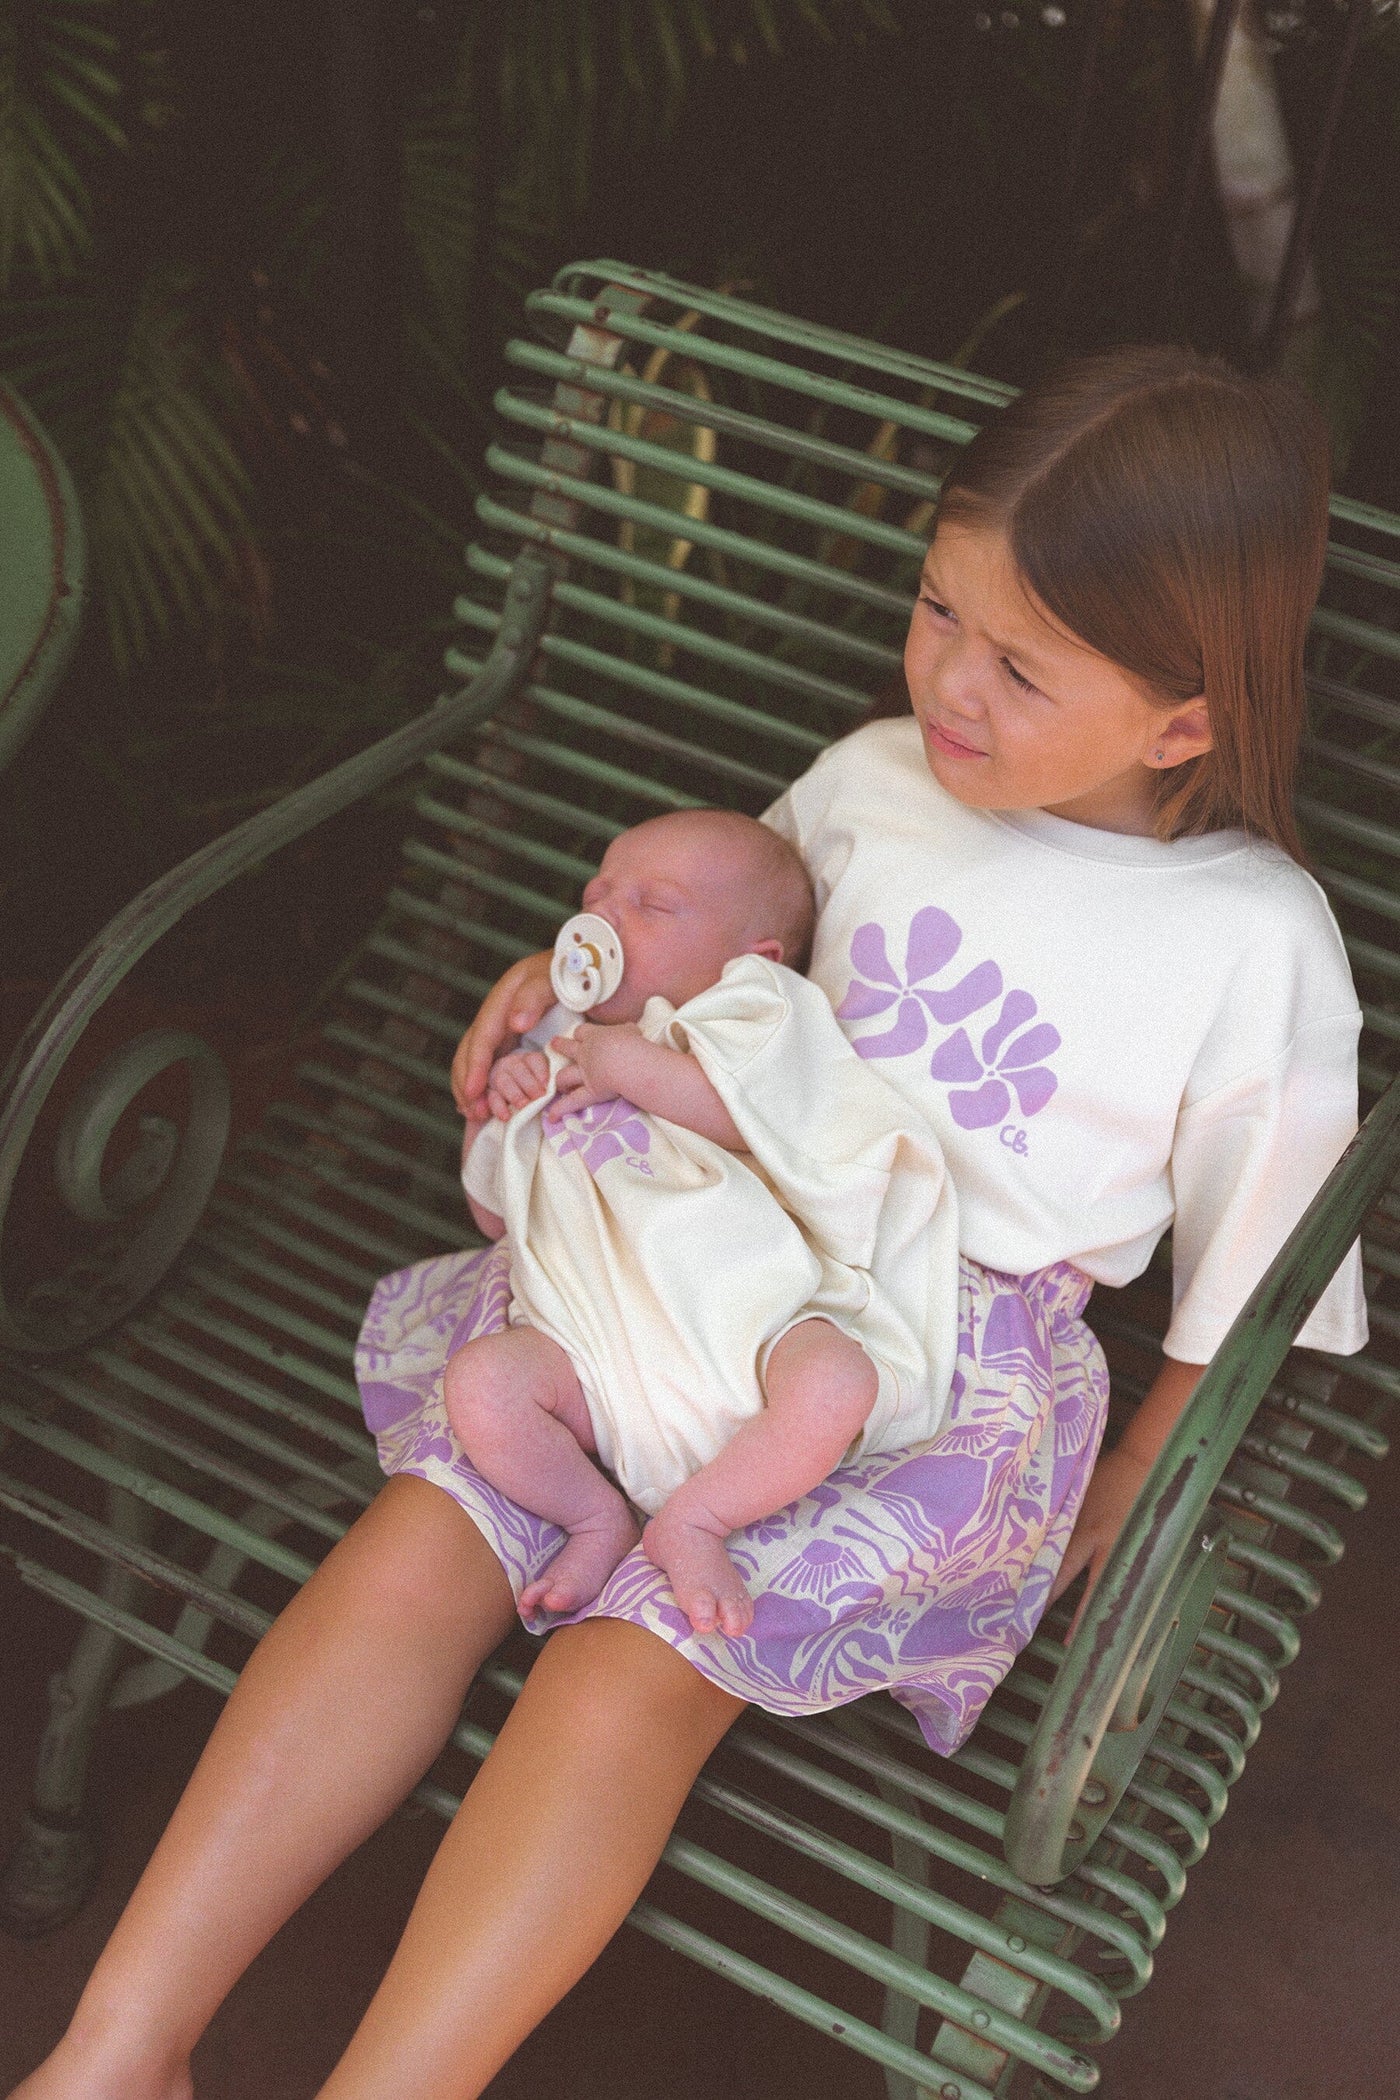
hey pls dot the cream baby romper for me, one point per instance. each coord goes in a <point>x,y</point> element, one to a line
<point>667,1267</point>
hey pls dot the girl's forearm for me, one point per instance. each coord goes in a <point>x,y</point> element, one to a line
<point>1119,1476</point>
<point>1160,1409</point>
<point>670,1083</point>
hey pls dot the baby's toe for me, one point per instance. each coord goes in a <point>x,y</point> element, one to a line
<point>702,1609</point>
<point>736,1614</point>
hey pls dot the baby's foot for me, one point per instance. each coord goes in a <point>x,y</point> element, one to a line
<point>709,1588</point>
<point>583,1563</point>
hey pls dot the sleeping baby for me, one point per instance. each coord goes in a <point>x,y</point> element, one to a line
<point>733,1245</point>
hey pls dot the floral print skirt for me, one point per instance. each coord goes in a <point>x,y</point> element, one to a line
<point>920,1572</point>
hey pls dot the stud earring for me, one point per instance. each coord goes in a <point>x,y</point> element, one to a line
<point>1159,756</point>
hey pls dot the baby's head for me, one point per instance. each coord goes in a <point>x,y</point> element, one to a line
<point>689,891</point>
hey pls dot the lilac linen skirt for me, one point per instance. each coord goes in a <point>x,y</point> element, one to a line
<point>919,1572</point>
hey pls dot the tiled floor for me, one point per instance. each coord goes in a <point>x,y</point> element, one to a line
<point>1277,1980</point>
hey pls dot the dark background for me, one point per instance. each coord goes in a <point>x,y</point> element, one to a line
<point>312,240</point>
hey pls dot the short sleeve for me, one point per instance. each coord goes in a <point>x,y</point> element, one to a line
<point>819,815</point>
<point>780,816</point>
<point>1247,1160</point>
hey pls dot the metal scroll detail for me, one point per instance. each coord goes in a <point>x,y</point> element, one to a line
<point>150,1203</point>
<point>71,1313</point>
<point>175,1173</point>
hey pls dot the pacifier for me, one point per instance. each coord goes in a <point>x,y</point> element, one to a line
<point>587,964</point>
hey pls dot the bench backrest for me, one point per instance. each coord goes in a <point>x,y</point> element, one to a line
<point>740,504</point>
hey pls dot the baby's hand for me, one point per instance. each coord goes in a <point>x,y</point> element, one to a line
<point>520,1076</point>
<point>595,1063</point>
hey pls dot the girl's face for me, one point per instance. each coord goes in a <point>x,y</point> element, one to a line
<point>1018,713</point>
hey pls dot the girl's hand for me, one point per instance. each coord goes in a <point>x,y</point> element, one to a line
<point>518,1077</point>
<point>1113,1488</point>
<point>595,1061</point>
<point>514,1003</point>
<point>1117,1479</point>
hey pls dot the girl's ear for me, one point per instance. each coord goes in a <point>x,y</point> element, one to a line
<point>1184,734</point>
<point>771,951</point>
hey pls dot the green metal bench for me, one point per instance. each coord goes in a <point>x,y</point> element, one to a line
<point>695,568</point>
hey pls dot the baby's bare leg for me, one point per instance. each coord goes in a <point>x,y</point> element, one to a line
<point>821,1387</point>
<point>519,1413</point>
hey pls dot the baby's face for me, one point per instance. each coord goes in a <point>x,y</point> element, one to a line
<point>681,899</point>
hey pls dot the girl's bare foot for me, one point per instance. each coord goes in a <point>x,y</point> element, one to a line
<point>709,1588</point>
<point>76,2072</point>
<point>583,1563</point>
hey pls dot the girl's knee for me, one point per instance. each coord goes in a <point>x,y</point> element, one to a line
<point>626,1685</point>
<point>413,1554</point>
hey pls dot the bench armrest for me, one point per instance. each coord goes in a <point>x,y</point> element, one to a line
<point>173,1175</point>
<point>1152,1598</point>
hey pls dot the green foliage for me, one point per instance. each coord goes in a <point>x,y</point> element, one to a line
<point>1339,358</point>
<point>135,403</point>
<point>129,329</point>
<point>1342,360</point>
<point>271,587</point>
<point>58,93</point>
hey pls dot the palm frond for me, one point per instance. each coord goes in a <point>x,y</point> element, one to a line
<point>138,406</point>
<point>441,206</point>
<point>562,61</point>
<point>58,91</point>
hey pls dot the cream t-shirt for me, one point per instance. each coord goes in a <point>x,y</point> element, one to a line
<point>1109,1034</point>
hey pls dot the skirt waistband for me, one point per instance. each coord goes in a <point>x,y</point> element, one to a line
<point>1061,1289</point>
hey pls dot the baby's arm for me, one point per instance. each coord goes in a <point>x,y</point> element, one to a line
<point>519,1077</point>
<point>604,1062</point>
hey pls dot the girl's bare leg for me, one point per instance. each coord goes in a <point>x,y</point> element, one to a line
<point>338,1713</point>
<point>551,1847</point>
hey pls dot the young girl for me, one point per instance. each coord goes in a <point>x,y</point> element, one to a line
<point>1062,905</point>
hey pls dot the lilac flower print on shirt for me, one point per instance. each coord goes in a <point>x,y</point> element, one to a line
<point>1009,1061</point>
<point>982,1083</point>
<point>607,1130</point>
<point>934,939</point>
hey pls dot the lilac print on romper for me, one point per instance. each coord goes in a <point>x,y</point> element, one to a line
<point>607,1130</point>
<point>981,1079</point>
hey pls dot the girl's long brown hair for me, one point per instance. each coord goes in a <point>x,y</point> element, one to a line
<point>1172,514</point>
